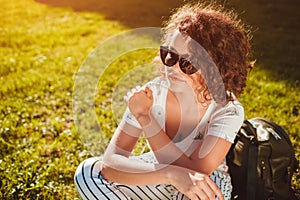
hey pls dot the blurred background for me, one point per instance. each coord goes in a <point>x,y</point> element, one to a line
<point>43,44</point>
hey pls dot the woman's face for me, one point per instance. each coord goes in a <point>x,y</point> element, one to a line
<point>179,81</point>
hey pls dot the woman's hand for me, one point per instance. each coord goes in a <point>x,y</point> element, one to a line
<point>140,102</point>
<point>195,185</point>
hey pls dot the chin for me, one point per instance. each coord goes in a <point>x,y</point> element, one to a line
<point>179,86</point>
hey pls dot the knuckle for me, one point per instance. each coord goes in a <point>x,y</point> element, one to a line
<point>194,190</point>
<point>190,193</point>
<point>200,182</point>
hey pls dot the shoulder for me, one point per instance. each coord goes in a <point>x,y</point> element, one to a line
<point>226,120</point>
<point>231,108</point>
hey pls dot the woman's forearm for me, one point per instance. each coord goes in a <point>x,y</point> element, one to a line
<point>168,153</point>
<point>185,180</point>
<point>134,172</point>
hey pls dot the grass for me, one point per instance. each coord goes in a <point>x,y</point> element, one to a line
<point>42,47</point>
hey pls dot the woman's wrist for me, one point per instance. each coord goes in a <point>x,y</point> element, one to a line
<point>149,125</point>
<point>174,174</point>
<point>170,174</point>
<point>143,120</point>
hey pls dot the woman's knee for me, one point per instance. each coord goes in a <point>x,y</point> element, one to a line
<point>87,170</point>
<point>87,181</point>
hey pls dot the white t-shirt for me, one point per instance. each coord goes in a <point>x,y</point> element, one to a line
<point>218,120</point>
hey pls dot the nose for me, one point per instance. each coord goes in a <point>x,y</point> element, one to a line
<point>177,68</point>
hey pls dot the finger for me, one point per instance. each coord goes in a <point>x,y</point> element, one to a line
<point>215,188</point>
<point>148,92</point>
<point>201,194</point>
<point>192,196</point>
<point>205,191</point>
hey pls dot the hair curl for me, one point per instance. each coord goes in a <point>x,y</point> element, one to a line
<point>226,41</point>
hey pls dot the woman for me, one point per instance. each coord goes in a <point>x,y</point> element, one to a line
<point>190,116</point>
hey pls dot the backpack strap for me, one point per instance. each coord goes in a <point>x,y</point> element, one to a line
<point>252,173</point>
<point>251,168</point>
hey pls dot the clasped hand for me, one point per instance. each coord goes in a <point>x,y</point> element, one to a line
<point>196,185</point>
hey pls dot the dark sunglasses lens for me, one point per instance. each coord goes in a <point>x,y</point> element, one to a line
<point>186,66</point>
<point>168,57</point>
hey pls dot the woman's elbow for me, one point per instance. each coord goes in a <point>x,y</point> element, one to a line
<point>106,160</point>
<point>106,172</point>
<point>110,165</point>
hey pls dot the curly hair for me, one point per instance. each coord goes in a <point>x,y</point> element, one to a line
<point>224,38</point>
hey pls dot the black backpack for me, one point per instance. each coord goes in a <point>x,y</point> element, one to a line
<point>261,162</point>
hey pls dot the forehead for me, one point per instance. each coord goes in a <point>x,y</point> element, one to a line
<point>178,41</point>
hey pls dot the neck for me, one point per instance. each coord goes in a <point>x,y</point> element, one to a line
<point>187,96</point>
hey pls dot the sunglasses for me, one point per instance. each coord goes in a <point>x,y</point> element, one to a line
<point>170,57</point>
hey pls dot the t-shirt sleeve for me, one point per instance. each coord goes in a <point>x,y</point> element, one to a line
<point>226,121</point>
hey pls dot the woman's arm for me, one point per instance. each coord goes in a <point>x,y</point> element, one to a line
<point>119,168</point>
<point>205,159</point>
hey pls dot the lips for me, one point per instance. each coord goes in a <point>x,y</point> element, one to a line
<point>174,75</point>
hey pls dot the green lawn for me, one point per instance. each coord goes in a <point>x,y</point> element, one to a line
<point>42,46</point>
